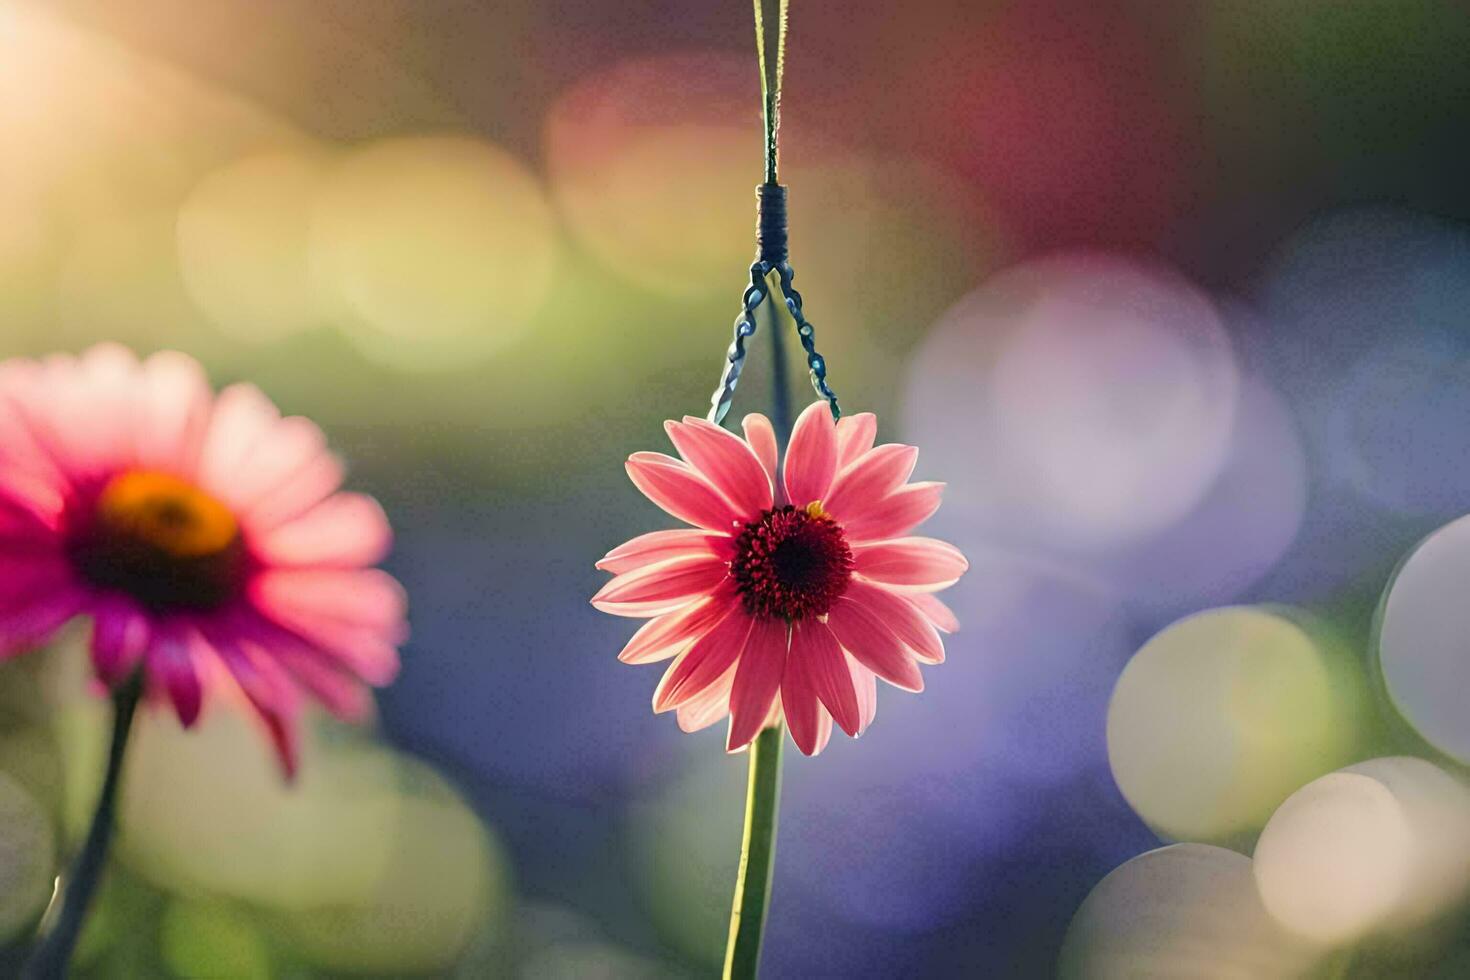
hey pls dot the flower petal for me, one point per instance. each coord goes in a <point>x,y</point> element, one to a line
<point>289,473</point>
<point>923,563</point>
<point>356,616</point>
<point>725,460</point>
<point>664,636</point>
<point>811,459</point>
<point>347,530</point>
<point>762,439</point>
<point>935,611</point>
<point>800,704</point>
<point>709,657</point>
<point>681,492</point>
<point>657,546</point>
<point>864,634</point>
<point>270,690</point>
<point>869,479</point>
<point>26,625</point>
<point>824,664</point>
<point>170,666</point>
<point>896,514</point>
<point>173,413</point>
<point>708,706</point>
<point>757,681</point>
<point>855,436</point>
<point>902,617</point>
<point>865,683</point>
<point>662,588</point>
<point>120,634</point>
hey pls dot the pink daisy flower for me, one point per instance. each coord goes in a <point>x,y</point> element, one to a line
<point>204,536</point>
<point>790,595</point>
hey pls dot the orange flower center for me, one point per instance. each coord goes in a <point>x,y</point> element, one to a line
<point>162,541</point>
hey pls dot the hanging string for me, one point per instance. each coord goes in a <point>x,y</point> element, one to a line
<point>771,239</point>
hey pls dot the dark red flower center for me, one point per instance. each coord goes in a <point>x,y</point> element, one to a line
<point>792,563</point>
<point>160,540</point>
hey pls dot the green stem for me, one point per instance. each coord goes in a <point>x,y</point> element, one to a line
<point>63,922</point>
<point>757,857</point>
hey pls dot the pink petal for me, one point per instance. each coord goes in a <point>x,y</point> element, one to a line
<point>799,701</point>
<point>356,616</point>
<point>661,588</point>
<point>170,666</point>
<point>902,617</point>
<point>811,459</point>
<point>681,492</point>
<point>664,636</point>
<point>173,413</point>
<point>120,634</point>
<point>865,683</point>
<point>709,706</point>
<point>709,657</point>
<point>868,480</point>
<point>825,665</point>
<point>757,681</point>
<point>24,525</point>
<point>27,577</point>
<point>863,634</point>
<point>347,530</point>
<point>657,546</point>
<point>725,460</point>
<point>317,671</point>
<point>896,514</point>
<point>243,417</point>
<point>270,690</point>
<point>855,436</point>
<point>762,439</point>
<point>290,472</point>
<point>935,611</point>
<point>924,563</point>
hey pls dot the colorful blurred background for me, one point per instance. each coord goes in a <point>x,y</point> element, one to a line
<point>1176,297</point>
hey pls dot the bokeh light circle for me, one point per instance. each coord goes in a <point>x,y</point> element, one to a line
<point>1219,717</point>
<point>1177,913</point>
<point>1079,402</point>
<point>1379,845</point>
<point>243,234</point>
<point>1422,627</point>
<point>438,250</point>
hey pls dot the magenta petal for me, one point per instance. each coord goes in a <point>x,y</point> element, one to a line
<point>863,633</point>
<point>269,689</point>
<point>921,563</point>
<point>902,617</point>
<point>896,514</point>
<point>683,493</point>
<point>120,634</point>
<point>657,546</point>
<point>664,636</point>
<point>27,625</point>
<point>811,459</point>
<point>762,439</point>
<point>757,681</point>
<point>171,668</point>
<point>935,611</point>
<point>824,663</point>
<point>868,480</point>
<point>725,460</point>
<point>708,658</point>
<point>661,588</point>
<point>356,616</point>
<point>855,436</point>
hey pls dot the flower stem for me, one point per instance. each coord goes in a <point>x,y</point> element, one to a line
<point>757,856</point>
<point>63,922</point>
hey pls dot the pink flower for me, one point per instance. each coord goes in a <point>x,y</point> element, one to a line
<point>204,536</point>
<point>788,597</point>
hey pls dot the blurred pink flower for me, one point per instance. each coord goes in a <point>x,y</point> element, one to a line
<point>203,535</point>
<point>790,596</point>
